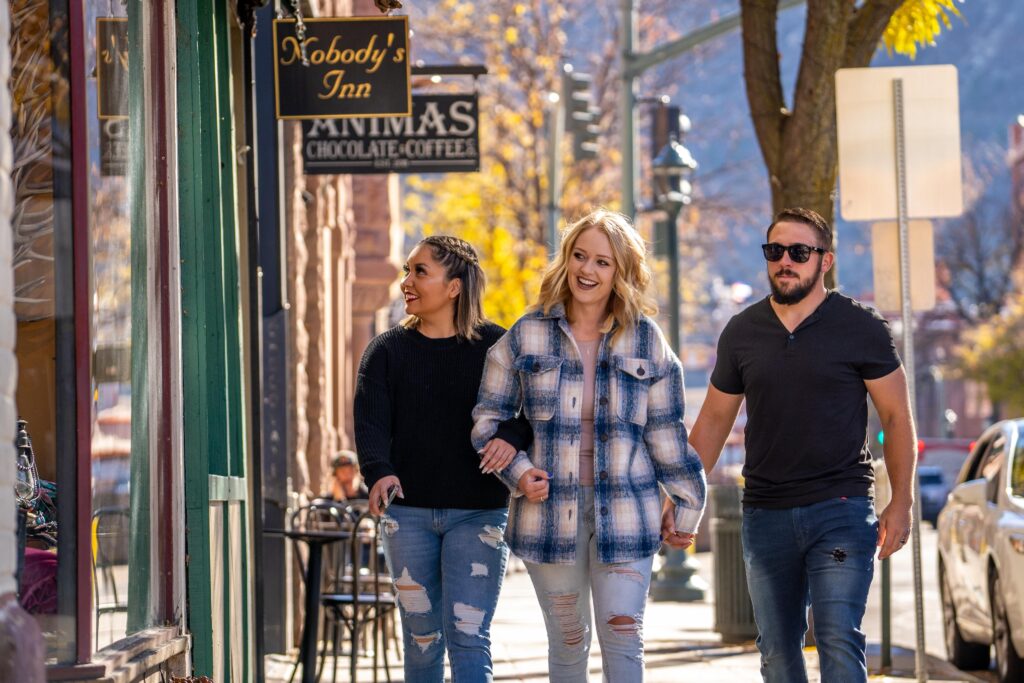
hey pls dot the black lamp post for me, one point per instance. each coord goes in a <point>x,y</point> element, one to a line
<point>672,167</point>
<point>676,579</point>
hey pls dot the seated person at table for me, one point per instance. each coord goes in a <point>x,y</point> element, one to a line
<point>346,481</point>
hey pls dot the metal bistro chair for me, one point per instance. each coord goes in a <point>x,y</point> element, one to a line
<point>109,534</point>
<point>362,598</point>
<point>320,515</point>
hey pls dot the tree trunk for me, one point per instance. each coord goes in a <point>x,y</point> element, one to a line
<point>798,144</point>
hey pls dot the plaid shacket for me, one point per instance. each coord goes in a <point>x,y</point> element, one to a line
<point>639,437</point>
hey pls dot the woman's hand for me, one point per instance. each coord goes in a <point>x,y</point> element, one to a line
<point>669,535</point>
<point>381,490</point>
<point>534,485</point>
<point>496,455</point>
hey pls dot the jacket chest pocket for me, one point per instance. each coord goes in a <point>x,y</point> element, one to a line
<point>539,377</point>
<point>630,384</point>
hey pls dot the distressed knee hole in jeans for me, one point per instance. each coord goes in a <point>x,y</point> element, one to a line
<point>411,594</point>
<point>627,627</point>
<point>565,610</point>
<point>627,572</point>
<point>492,536</point>
<point>479,569</point>
<point>839,555</point>
<point>468,619</point>
<point>425,641</point>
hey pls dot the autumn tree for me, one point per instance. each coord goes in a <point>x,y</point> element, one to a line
<point>798,140</point>
<point>993,353</point>
<point>503,209</point>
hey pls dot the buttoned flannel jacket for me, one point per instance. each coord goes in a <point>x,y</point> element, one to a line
<point>639,437</point>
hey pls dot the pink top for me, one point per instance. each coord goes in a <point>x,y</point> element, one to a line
<point>588,351</point>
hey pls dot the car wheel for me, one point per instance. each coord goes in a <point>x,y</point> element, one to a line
<point>1008,663</point>
<point>961,653</point>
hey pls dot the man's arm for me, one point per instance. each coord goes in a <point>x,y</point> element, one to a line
<point>714,422</point>
<point>892,401</point>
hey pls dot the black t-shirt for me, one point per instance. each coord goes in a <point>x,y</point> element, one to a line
<point>806,432</point>
<point>413,417</point>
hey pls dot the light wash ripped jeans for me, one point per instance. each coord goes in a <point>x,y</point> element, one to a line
<point>447,565</point>
<point>620,594</point>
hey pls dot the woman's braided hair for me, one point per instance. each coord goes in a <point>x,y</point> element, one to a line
<point>460,261</point>
<point>459,247</point>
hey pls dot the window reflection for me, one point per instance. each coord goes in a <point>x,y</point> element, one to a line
<point>111,244</point>
<point>39,133</point>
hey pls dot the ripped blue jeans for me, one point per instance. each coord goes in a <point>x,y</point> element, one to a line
<point>447,566</point>
<point>620,594</point>
<point>821,554</point>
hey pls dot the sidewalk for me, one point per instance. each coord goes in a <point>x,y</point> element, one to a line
<point>680,645</point>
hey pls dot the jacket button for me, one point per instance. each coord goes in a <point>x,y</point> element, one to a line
<point>604,475</point>
<point>604,401</point>
<point>536,367</point>
<point>604,510</point>
<point>604,436</point>
<point>640,371</point>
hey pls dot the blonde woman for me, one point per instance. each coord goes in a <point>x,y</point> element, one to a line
<point>604,395</point>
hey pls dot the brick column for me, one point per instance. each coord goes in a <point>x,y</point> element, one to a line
<point>21,645</point>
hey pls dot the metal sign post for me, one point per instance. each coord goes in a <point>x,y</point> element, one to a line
<point>913,111</point>
<point>907,312</point>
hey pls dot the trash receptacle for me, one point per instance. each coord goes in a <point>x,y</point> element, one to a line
<point>734,615</point>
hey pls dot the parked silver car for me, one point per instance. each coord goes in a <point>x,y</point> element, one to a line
<point>981,555</point>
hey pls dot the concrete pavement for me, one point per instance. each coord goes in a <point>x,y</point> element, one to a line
<point>681,642</point>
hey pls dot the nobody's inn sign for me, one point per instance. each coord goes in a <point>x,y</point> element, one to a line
<point>441,136</point>
<point>357,66</point>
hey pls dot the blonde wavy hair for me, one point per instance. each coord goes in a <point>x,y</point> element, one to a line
<point>629,299</point>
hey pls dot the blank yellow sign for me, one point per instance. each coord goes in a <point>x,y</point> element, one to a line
<point>885,255</point>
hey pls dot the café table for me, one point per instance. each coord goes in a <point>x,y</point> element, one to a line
<point>315,540</point>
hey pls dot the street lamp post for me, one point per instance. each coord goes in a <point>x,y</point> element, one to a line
<point>672,167</point>
<point>677,578</point>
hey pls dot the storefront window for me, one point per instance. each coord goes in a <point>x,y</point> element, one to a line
<point>112,323</point>
<point>80,264</point>
<point>42,247</point>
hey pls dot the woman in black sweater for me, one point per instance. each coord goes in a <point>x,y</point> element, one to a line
<point>443,535</point>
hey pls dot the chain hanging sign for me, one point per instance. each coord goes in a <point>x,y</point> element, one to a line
<point>332,68</point>
<point>441,136</point>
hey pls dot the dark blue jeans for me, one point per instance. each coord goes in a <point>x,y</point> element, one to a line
<point>448,566</point>
<point>822,554</point>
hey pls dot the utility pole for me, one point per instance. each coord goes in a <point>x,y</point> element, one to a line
<point>633,66</point>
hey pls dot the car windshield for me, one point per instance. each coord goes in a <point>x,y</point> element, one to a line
<point>931,478</point>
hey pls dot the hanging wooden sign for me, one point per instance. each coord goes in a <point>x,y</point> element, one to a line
<point>112,67</point>
<point>441,136</point>
<point>343,67</point>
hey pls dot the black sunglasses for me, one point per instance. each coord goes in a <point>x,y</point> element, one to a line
<point>798,252</point>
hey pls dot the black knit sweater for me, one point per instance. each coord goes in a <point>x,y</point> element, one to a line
<point>413,416</point>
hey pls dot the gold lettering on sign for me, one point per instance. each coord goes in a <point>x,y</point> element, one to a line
<point>114,51</point>
<point>337,88</point>
<point>368,56</point>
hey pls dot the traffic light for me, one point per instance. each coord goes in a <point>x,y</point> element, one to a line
<point>580,116</point>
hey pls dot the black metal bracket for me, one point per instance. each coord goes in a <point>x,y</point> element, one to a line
<point>247,10</point>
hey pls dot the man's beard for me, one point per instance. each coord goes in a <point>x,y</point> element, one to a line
<point>796,293</point>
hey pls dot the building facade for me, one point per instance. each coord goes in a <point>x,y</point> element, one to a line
<point>182,312</point>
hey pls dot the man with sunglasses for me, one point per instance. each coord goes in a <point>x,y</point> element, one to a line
<point>806,358</point>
